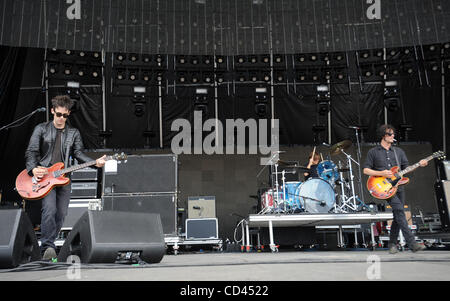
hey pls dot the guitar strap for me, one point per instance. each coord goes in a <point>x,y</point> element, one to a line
<point>66,160</point>
<point>396,159</point>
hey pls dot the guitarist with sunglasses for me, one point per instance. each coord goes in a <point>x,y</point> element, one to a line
<point>379,161</point>
<point>53,142</point>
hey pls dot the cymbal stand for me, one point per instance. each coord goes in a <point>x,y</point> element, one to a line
<point>343,197</point>
<point>353,197</point>
<point>358,154</point>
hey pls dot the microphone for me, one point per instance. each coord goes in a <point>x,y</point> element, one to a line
<point>354,127</point>
<point>41,109</point>
<point>326,144</point>
<point>395,140</point>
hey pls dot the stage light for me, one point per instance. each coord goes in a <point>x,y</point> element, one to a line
<point>82,54</point>
<point>240,59</point>
<point>322,88</point>
<point>266,59</point>
<point>81,72</point>
<point>146,58</point>
<point>53,68</point>
<point>313,57</point>
<point>181,60</point>
<point>139,90</point>
<point>278,59</point>
<point>279,76</point>
<point>220,59</point>
<point>134,57</point>
<point>159,59</point>
<point>266,76</point>
<point>253,76</point>
<point>72,85</point>
<point>120,74</point>
<point>182,77</point>
<point>253,59</point>
<point>67,69</point>
<point>207,77</point>
<point>391,96</point>
<point>195,77</point>
<point>220,77</point>
<point>207,60</point>
<point>68,52</point>
<point>241,76</point>
<point>146,75</point>
<point>159,76</point>
<point>96,55</point>
<point>133,75</point>
<point>120,57</point>
<point>95,73</point>
<point>194,60</point>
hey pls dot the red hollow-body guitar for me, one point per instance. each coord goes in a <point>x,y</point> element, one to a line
<point>384,188</point>
<point>29,188</point>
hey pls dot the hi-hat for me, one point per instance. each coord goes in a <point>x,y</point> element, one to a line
<point>336,149</point>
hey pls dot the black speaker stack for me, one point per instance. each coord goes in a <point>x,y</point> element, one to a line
<point>145,183</point>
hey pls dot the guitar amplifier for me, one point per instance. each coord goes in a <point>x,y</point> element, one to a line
<point>85,175</point>
<point>201,228</point>
<point>443,202</point>
<point>83,190</point>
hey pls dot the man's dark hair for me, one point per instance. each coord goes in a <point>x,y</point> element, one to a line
<point>382,130</point>
<point>63,101</point>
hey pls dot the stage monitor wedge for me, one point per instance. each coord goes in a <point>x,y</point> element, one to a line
<point>110,236</point>
<point>18,242</point>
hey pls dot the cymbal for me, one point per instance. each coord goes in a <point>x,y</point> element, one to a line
<point>336,148</point>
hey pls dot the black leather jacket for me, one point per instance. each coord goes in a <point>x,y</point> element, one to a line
<point>42,141</point>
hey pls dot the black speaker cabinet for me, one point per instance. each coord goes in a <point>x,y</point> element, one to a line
<point>18,242</point>
<point>143,174</point>
<point>443,202</point>
<point>105,236</point>
<point>162,204</point>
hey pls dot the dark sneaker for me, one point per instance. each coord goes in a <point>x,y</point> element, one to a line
<point>49,254</point>
<point>393,249</point>
<point>418,247</point>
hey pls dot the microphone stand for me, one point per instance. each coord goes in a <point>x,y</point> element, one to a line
<point>24,118</point>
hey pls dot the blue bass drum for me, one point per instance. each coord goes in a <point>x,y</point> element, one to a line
<point>290,195</point>
<point>328,171</point>
<point>316,196</point>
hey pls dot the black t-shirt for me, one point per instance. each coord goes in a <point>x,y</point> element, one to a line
<point>57,154</point>
<point>312,172</point>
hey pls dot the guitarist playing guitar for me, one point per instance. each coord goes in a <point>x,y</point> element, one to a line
<point>379,162</point>
<point>53,142</point>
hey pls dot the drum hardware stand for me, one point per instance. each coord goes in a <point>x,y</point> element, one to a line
<point>358,156</point>
<point>346,202</point>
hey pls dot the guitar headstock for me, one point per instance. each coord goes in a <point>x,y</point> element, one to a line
<point>440,155</point>
<point>118,157</point>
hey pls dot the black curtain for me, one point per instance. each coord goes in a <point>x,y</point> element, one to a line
<point>12,64</point>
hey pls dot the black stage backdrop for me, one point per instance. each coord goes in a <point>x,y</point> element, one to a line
<point>21,93</point>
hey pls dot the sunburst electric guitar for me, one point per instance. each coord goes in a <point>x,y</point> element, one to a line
<point>384,188</point>
<point>30,188</point>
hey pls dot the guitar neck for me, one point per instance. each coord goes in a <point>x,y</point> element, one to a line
<point>414,166</point>
<point>77,167</point>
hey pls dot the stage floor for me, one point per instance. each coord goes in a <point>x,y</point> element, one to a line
<point>302,265</point>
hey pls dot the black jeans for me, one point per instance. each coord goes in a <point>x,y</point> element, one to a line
<point>400,222</point>
<point>54,210</point>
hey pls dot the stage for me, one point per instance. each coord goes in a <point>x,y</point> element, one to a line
<point>303,265</point>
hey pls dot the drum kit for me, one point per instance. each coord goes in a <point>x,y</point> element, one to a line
<point>333,191</point>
